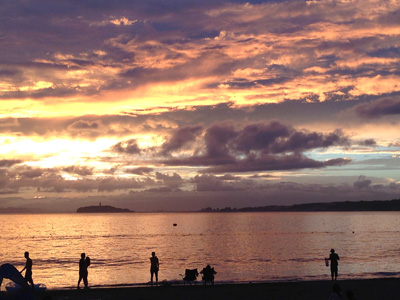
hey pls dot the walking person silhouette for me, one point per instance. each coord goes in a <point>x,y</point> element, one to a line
<point>84,263</point>
<point>28,269</point>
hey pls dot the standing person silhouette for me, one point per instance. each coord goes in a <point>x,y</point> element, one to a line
<point>84,262</point>
<point>154,267</point>
<point>28,269</point>
<point>333,257</point>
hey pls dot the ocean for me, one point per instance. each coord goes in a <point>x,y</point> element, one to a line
<point>242,247</point>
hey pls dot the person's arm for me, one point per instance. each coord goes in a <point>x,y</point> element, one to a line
<point>23,269</point>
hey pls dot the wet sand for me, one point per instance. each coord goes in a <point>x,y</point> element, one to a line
<point>369,289</point>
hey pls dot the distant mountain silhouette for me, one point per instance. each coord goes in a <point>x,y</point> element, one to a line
<point>384,205</point>
<point>102,209</point>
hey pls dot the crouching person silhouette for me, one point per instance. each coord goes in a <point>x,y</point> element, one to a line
<point>208,274</point>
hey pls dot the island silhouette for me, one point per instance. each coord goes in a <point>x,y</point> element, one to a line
<point>102,209</point>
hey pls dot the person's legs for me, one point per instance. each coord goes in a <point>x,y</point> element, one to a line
<point>334,272</point>
<point>151,277</point>
<point>85,280</point>
<point>156,273</point>
<point>28,278</point>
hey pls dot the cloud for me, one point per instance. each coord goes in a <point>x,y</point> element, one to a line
<point>212,183</point>
<point>127,147</point>
<point>79,170</point>
<point>9,162</point>
<point>261,147</point>
<point>180,138</point>
<point>368,142</point>
<point>362,182</point>
<point>195,86</point>
<point>52,181</point>
<point>275,163</point>
<point>378,108</point>
<point>32,173</point>
<point>261,136</point>
<point>124,45</point>
<point>140,170</point>
<point>173,181</point>
<point>262,176</point>
<point>161,190</point>
<point>84,125</point>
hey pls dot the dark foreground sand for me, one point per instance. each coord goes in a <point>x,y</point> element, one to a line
<point>369,289</point>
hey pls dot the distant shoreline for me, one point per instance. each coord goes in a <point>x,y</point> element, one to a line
<point>347,206</point>
<point>377,205</point>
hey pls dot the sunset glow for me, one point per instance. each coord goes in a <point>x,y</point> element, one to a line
<point>223,100</point>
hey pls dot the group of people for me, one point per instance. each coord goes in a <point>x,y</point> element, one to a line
<point>208,272</point>
<point>84,263</point>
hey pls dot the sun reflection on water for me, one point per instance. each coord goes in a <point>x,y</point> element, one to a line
<point>241,246</point>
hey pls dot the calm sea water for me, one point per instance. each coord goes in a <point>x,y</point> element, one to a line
<point>242,247</point>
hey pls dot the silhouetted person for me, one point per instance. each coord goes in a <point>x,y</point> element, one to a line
<point>154,267</point>
<point>84,262</point>
<point>333,257</point>
<point>350,295</point>
<point>336,294</point>
<point>208,274</point>
<point>28,269</point>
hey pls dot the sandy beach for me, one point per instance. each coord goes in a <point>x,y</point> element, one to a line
<point>369,289</point>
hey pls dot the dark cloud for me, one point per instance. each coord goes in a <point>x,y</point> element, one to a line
<point>127,147</point>
<point>381,107</point>
<point>112,184</point>
<point>173,181</point>
<point>362,182</point>
<point>79,170</point>
<point>386,52</point>
<point>261,136</point>
<point>229,177</point>
<point>303,141</point>
<point>140,170</point>
<point>275,163</point>
<point>84,125</point>
<point>32,173</point>
<point>212,183</point>
<point>51,181</point>
<point>368,142</point>
<point>6,73</point>
<point>217,139</point>
<point>261,147</point>
<point>180,138</point>
<point>242,83</point>
<point>9,162</point>
<point>160,190</point>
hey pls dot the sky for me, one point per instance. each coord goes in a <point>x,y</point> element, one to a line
<point>183,104</point>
